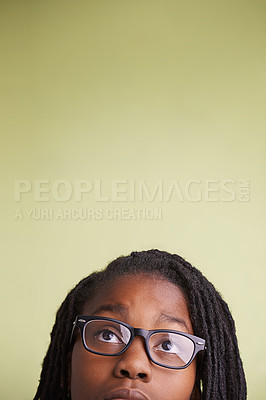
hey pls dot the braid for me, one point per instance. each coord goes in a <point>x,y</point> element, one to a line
<point>54,380</point>
<point>221,372</point>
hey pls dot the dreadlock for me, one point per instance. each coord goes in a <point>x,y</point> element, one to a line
<point>221,373</point>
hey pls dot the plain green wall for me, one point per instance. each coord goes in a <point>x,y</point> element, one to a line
<point>154,91</point>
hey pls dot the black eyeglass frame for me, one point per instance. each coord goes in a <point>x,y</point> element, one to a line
<point>82,320</point>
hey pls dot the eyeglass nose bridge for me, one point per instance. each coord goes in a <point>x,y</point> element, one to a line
<point>145,334</point>
<point>140,332</point>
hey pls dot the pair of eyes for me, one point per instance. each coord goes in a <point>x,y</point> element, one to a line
<point>164,344</point>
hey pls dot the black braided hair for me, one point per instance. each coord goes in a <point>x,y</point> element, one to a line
<point>221,373</point>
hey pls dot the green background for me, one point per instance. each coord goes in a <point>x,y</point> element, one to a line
<point>130,90</point>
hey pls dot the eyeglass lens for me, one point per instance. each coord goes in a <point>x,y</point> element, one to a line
<point>168,349</point>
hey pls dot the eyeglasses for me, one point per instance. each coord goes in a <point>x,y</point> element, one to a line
<point>110,337</point>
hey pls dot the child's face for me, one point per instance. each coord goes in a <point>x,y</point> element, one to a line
<point>145,299</point>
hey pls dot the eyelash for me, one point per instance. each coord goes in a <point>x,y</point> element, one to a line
<point>100,332</point>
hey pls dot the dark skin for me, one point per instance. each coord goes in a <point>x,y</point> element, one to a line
<point>145,301</point>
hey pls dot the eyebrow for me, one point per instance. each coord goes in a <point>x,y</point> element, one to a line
<point>115,308</point>
<point>122,310</point>
<point>172,318</point>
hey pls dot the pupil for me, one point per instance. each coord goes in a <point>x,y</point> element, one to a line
<point>107,335</point>
<point>166,345</point>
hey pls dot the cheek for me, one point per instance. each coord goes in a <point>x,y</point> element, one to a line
<point>88,372</point>
<point>91,373</point>
<point>177,384</point>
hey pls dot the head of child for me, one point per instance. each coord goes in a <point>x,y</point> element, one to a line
<point>148,327</point>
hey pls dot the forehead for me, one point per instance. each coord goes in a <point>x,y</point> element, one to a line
<point>141,300</point>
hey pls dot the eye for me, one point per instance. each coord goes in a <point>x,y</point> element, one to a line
<point>167,346</point>
<point>106,335</point>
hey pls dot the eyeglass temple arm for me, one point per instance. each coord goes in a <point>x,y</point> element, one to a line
<point>72,332</point>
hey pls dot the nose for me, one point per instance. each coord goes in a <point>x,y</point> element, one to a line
<point>134,363</point>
